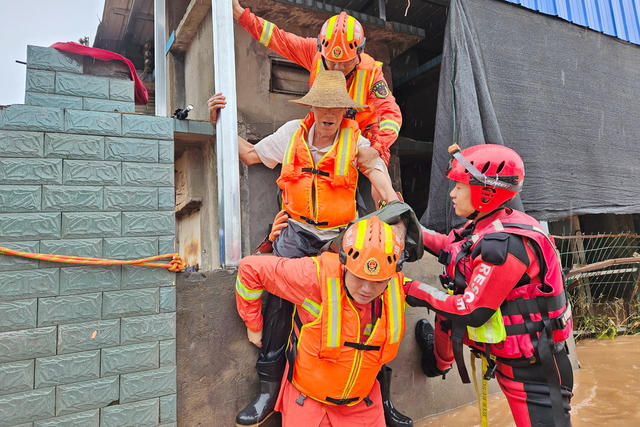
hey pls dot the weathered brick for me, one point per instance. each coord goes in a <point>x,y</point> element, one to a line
<point>68,198</point>
<point>74,280</point>
<point>142,277</point>
<point>165,151</point>
<point>131,149</point>
<point>32,117</point>
<point>8,262</point>
<point>147,126</point>
<point>91,172</point>
<point>166,198</point>
<point>46,58</point>
<point>86,395</point>
<point>27,344</point>
<point>52,100</point>
<point>201,127</point>
<point>129,358</point>
<point>92,122</point>
<point>69,309</point>
<point>27,406</point>
<point>88,336</point>
<point>76,247</point>
<point>95,104</point>
<point>168,409</point>
<point>67,368</point>
<point>80,419</point>
<point>126,248</point>
<point>130,198</point>
<point>147,174</point>
<point>40,81</point>
<point>16,143</point>
<point>167,299</point>
<point>180,125</point>
<point>166,245</point>
<point>147,384</point>
<point>167,353</point>
<point>16,376</point>
<point>19,314</point>
<point>137,414</point>
<point>82,85</point>
<point>134,302</point>
<point>29,226</point>
<point>121,90</point>
<point>30,171</point>
<point>148,328</point>
<point>24,284</point>
<point>148,223</point>
<point>20,198</point>
<point>79,147</point>
<point>91,224</point>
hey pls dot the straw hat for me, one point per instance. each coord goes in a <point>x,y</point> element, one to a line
<point>329,90</point>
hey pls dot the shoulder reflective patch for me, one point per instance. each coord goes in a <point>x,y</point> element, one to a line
<point>380,89</point>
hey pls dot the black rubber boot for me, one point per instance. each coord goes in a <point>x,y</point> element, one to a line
<point>262,407</point>
<point>392,417</point>
<point>424,338</point>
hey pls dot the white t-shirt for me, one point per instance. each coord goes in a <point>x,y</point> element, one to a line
<point>271,152</point>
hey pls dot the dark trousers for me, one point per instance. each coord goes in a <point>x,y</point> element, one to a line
<point>293,242</point>
<point>528,394</point>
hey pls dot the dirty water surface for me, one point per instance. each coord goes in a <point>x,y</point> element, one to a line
<point>606,390</point>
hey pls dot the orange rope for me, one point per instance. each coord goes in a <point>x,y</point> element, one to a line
<point>176,264</point>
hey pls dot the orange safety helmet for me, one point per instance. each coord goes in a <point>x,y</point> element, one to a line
<point>370,250</point>
<point>494,173</point>
<point>341,38</point>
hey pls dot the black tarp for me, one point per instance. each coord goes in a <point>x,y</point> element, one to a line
<point>566,98</point>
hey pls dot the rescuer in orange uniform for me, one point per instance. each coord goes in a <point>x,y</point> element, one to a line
<point>349,312</point>
<point>339,46</point>
<point>321,157</point>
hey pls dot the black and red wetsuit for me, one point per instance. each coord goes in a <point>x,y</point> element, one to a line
<point>505,261</point>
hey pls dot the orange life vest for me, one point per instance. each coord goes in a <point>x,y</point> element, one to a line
<point>360,86</point>
<point>322,194</point>
<point>330,363</point>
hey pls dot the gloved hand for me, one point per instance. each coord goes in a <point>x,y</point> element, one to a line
<point>279,222</point>
<point>408,283</point>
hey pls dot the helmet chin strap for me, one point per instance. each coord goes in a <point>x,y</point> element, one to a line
<point>349,74</point>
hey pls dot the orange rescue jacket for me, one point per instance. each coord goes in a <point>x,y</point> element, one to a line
<point>304,52</point>
<point>327,360</point>
<point>322,194</point>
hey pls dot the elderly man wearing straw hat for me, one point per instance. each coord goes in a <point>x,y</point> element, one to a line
<point>321,156</point>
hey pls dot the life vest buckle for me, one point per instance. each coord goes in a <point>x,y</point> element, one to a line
<point>300,399</point>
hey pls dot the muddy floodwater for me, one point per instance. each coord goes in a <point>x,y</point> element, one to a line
<point>606,390</point>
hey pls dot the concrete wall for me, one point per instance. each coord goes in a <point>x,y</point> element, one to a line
<point>85,345</point>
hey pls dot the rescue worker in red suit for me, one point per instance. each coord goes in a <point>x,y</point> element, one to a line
<point>339,46</point>
<point>322,156</point>
<point>505,298</point>
<point>348,322</point>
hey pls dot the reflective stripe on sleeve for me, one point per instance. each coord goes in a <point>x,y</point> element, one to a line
<point>267,32</point>
<point>390,124</point>
<point>312,307</point>
<point>245,293</point>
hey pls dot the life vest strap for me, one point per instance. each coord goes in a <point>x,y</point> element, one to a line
<point>535,305</point>
<point>359,346</point>
<point>536,326</point>
<point>312,222</point>
<point>316,171</point>
<point>341,401</point>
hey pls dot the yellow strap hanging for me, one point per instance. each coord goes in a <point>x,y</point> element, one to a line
<point>482,400</point>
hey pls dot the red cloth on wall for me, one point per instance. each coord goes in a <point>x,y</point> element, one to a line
<point>140,91</point>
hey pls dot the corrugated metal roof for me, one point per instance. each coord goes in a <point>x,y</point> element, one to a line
<point>618,18</point>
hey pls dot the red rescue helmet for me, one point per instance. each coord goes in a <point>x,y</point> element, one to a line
<point>494,173</point>
<point>341,38</point>
<point>370,250</point>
